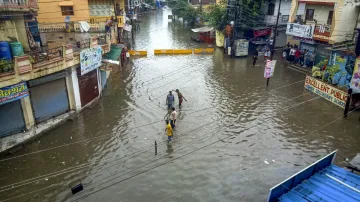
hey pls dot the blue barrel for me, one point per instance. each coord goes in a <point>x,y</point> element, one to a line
<point>5,52</point>
<point>16,49</point>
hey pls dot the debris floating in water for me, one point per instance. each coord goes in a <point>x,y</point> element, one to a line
<point>266,161</point>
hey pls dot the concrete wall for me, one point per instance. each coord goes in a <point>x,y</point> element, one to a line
<point>21,33</point>
<point>14,28</point>
<point>321,12</point>
<point>346,22</point>
<point>7,28</point>
<point>284,11</point>
<point>50,11</point>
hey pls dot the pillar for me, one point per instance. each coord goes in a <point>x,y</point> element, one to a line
<point>28,112</point>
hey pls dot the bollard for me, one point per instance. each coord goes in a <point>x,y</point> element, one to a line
<point>155,148</point>
<point>347,105</point>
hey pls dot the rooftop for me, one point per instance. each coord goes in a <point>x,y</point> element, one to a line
<point>331,184</point>
<point>320,181</point>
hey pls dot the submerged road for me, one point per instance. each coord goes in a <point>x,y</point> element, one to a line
<point>234,139</point>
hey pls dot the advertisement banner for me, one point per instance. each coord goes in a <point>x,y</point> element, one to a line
<point>355,80</point>
<point>304,31</point>
<point>12,93</point>
<point>90,59</point>
<point>326,91</point>
<point>262,32</point>
<point>269,68</point>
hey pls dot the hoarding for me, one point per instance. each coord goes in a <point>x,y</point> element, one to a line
<point>12,93</point>
<point>326,91</point>
<point>303,31</point>
<point>355,80</point>
<point>90,59</point>
<point>269,68</point>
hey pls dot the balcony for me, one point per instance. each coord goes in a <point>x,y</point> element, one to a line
<point>322,33</point>
<point>49,60</point>
<point>19,5</point>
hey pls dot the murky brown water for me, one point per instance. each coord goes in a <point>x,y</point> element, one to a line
<point>234,140</point>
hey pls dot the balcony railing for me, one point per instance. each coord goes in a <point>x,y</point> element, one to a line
<point>18,5</point>
<point>40,63</point>
<point>37,57</point>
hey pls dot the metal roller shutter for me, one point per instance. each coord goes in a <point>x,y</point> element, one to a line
<point>49,99</point>
<point>11,119</point>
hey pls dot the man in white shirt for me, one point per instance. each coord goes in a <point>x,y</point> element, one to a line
<point>173,116</point>
<point>292,54</point>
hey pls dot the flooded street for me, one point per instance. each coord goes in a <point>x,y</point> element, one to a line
<point>234,138</point>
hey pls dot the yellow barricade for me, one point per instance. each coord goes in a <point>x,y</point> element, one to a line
<point>134,52</point>
<point>182,51</point>
<point>203,50</point>
<point>163,51</point>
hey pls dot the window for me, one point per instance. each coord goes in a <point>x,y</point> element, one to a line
<point>284,18</point>
<point>309,14</point>
<point>271,9</point>
<point>330,17</point>
<point>67,10</point>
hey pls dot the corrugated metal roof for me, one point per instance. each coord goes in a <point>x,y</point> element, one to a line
<point>330,184</point>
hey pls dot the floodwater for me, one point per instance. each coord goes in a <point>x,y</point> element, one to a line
<point>234,139</point>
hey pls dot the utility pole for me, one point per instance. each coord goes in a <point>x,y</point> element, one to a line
<point>274,41</point>
<point>116,22</point>
<point>275,31</point>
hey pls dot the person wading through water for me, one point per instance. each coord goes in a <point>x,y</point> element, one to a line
<point>180,96</point>
<point>170,99</point>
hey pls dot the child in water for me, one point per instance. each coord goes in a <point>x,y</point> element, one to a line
<point>169,130</point>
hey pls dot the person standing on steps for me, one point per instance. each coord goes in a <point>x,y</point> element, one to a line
<point>170,99</point>
<point>180,96</point>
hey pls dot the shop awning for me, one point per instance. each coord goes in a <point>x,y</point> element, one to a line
<point>203,29</point>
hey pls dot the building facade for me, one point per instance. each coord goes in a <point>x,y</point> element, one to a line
<point>45,87</point>
<point>271,12</point>
<point>327,29</point>
<point>77,10</point>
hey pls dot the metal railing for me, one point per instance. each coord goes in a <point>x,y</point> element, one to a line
<point>13,2</point>
<point>37,57</point>
<point>80,45</point>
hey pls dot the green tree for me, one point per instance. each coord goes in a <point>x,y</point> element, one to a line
<point>216,14</point>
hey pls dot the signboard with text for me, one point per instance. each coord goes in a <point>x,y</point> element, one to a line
<point>355,80</point>
<point>269,68</point>
<point>90,59</point>
<point>303,31</point>
<point>262,32</point>
<point>12,93</point>
<point>326,91</point>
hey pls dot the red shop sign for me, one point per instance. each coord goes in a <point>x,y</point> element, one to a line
<point>262,32</point>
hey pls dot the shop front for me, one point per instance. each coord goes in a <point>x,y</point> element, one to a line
<point>49,97</point>
<point>88,85</point>
<point>12,117</point>
<point>88,78</point>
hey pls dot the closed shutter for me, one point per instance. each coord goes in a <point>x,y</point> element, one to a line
<point>11,119</point>
<point>103,79</point>
<point>49,99</point>
<point>88,85</point>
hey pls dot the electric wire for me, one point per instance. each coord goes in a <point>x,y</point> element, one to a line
<point>212,122</point>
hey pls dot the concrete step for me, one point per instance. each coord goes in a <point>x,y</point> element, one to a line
<point>299,68</point>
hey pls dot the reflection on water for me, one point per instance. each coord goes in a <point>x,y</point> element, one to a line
<point>234,138</point>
